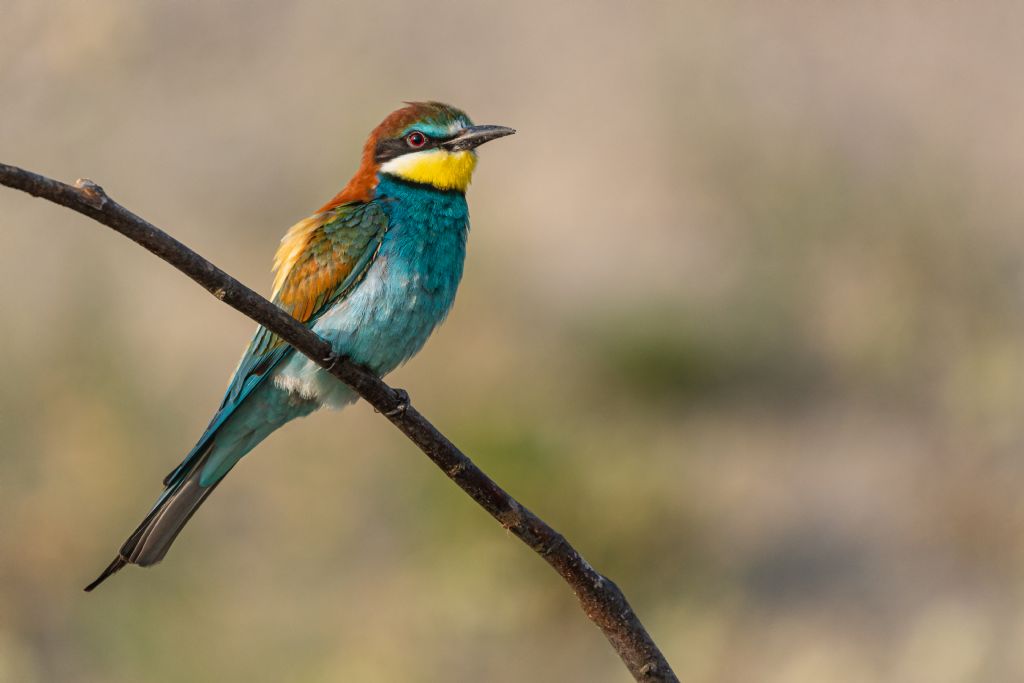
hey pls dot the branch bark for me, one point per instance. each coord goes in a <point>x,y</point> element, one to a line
<point>600,598</point>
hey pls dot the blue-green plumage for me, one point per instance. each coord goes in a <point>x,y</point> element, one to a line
<point>406,291</point>
<point>373,276</point>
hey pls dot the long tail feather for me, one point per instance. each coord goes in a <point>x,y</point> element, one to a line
<point>112,569</point>
<point>230,436</point>
<point>150,541</point>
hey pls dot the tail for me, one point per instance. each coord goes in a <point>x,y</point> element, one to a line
<point>234,431</point>
<point>150,541</point>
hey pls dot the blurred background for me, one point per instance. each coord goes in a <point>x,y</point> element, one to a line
<point>742,317</point>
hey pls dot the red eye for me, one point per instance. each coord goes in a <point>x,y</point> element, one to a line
<point>416,139</point>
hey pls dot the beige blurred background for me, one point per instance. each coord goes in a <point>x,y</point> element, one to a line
<point>742,317</point>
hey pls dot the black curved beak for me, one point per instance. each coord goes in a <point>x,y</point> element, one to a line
<point>474,136</point>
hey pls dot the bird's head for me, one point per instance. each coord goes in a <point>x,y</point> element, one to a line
<point>431,143</point>
<point>424,142</point>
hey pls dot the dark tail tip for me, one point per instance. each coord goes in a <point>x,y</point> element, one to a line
<point>114,567</point>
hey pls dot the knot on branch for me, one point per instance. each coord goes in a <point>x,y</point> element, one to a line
<point>92,193</point>
<point>512,517</point>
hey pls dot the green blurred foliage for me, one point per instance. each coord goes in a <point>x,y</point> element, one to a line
<point>741,317</point>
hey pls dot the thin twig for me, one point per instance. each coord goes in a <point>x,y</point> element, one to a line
<point>600,598</point>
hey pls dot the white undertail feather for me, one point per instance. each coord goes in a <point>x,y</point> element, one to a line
<point>299,386</point>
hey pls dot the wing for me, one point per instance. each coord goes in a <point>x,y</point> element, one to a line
<point>321,260</point>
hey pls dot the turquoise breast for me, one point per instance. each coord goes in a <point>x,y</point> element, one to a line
<point>407,291</point>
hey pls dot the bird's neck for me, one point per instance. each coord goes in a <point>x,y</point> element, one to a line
<point>392,188</point>
<point>419,210</point>
<point>441,169</point>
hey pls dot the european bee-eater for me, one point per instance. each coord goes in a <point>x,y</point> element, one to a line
<point>373,272</point>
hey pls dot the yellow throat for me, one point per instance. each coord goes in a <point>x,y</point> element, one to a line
<point>438,167</point>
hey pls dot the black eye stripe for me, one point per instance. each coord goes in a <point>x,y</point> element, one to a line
<point>391,148</point>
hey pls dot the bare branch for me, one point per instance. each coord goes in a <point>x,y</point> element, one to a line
<point>600,598</point>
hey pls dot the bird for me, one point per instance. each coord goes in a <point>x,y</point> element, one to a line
<point>374,271</point>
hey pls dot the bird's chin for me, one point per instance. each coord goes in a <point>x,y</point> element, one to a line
<point>443,169</point>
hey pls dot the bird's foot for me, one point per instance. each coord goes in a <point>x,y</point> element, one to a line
<point>403,404</point>
<point>333,361</point>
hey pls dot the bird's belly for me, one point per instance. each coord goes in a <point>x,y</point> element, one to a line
<point>380,325</point>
